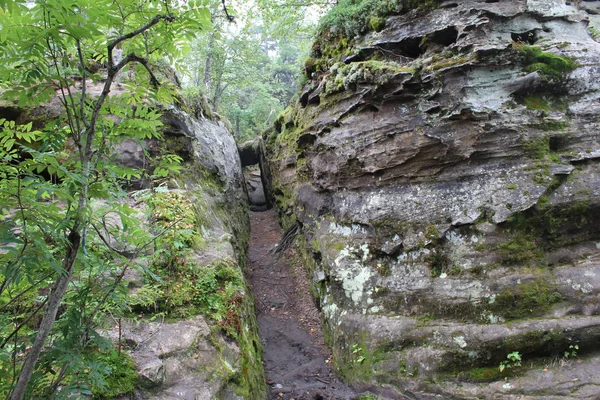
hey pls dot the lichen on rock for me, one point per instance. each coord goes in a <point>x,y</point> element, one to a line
<point>458,144</point>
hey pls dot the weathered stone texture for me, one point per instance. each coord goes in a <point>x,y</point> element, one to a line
<point>448,185</point>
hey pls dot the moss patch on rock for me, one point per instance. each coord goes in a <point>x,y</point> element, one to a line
<point>526,300</point>
<point>547,64</point>
<point>121,377</point>
<point>353,17</point>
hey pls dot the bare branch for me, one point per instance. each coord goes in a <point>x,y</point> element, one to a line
<point>229,17</point>
<point>142,29</point>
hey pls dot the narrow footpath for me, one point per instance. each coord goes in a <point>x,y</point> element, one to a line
<point>297,362</point>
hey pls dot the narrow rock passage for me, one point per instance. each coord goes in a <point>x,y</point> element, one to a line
<point>297,362</point>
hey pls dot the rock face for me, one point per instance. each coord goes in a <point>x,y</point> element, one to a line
<point>194,358</point>
<point>197,350</point>
<point>445,171</point>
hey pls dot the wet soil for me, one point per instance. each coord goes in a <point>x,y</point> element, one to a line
<point>297,362</point>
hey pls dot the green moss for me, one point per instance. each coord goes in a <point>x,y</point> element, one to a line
<point>309,67</point>
<point>521,248</point>
<point>438,262</point>
<point>447,62</point>
<point>376,23</point>
<point>121,377</point>
<point>547,64</point>
<point>485,374</point>
<point>526,300</point>
<point>550,126</point>
<point>383,269</point>
<point>537,148</point>
<point>536,102</point>
<point>432,233</point>
<point>368,396</point>
<point>544,228</point>
<point>344,76</point>
<point>352,17</point>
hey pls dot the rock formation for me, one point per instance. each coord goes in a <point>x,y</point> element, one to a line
<point>193,357</point>
<point>184,350</point>
<point>445,173</point>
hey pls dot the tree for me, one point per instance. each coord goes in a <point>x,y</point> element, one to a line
<point>51,47</point>
<point>250,71</point>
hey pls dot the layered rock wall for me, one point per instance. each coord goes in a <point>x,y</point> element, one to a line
<point>445,171</point>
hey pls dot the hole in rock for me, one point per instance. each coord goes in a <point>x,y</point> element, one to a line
<point>371,108</point>
<point>306,140</point>
<point>10,113</point>
<point>492,1</point>
<point>557,142</point>
<point>529,37</point>
<point>410,47</point>
<point>445,37</point>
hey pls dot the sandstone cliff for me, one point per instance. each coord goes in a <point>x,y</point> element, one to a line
<point>445,172</point>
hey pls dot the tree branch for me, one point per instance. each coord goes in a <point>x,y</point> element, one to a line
<point>229,17</point>
<point>142,29</point>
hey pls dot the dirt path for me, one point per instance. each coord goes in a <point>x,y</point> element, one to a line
<point>297,363</point>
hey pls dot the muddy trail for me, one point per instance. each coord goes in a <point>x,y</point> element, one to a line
<point>297,362</point>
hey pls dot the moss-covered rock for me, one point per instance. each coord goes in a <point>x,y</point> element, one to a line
<point>443,169</point>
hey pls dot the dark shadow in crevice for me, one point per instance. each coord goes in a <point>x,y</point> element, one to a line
<point>445,37</point>
<point>527,37</point>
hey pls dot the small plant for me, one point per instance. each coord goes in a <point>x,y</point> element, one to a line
<point>368,396</point>
<point>594,33</point>
<point>572,351</point>
<point>513,360</point>
<point>357,351</point>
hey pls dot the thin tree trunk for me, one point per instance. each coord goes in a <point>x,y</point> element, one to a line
<point>54,301</point>
<point>208,64</point>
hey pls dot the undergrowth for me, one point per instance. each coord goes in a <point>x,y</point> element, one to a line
<point>177,286</point>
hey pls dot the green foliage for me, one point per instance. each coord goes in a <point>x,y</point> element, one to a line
<point>547,64</point>
<point>249,74</point>
<point>357,351</point>
<point>513,360</point>
<point>121,376</point>
<point>572,351</point>
<point>66,224</point>
<point>350,18</point>
<point>176,286</point>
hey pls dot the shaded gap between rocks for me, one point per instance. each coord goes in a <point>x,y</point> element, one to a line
<point>256,174</point>
<point>297,362</point>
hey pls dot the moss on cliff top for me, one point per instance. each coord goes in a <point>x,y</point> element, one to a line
<point>354,17</point>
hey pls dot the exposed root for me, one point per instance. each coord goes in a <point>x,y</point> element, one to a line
<point>287,239</point>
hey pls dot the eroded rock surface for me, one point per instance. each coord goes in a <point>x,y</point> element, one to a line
<point>197,357</point>
<point>445,171</point>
